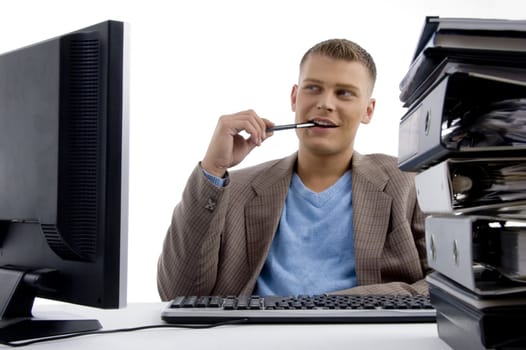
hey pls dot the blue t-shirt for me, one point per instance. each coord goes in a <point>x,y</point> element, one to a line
<point>313,249</point>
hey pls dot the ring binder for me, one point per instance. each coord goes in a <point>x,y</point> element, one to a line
<point>466,321</point>
<point>472,185</point>
<point>465,114</point>
<point>479,253</point>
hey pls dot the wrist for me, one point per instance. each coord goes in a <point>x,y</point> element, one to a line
<point>213,170</point>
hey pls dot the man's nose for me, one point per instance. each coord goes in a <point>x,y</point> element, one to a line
<point>325,103</point>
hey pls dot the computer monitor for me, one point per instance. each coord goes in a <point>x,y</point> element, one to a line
<point>63,178</point>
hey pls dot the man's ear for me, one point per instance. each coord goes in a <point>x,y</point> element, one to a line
<point>293,94</point>
<point>369,111</point>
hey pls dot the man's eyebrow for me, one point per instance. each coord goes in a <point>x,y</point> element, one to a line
<point>348,86</point>
<point>310,80</point>
<point>338,85</point>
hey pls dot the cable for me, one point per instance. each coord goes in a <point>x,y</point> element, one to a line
<point>121,330</point>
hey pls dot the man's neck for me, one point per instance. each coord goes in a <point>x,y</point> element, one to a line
<point>319,172</point>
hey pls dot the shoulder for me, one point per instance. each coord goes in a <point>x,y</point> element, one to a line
<point>376,162</point>
<point>379,158</point>
<point>254,170</point>
<point>381,169</point>
<point>264,174</point>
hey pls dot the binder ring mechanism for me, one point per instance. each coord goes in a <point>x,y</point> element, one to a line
<point>427,122</point>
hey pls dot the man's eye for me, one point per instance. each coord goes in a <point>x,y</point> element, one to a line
<point>345,93</point>
<point>311,88</point>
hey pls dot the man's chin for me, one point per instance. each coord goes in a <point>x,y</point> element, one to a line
<point>322,149</point>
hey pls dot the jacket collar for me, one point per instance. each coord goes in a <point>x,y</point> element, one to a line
<point>362,166</point>
<point>280,172</point>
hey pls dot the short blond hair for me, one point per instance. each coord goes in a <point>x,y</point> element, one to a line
<point>343,49</point>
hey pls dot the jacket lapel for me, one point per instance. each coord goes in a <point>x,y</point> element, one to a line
<point>371,208</point>
<point>263,213</point>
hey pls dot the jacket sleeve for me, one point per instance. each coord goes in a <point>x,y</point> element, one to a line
<point>190,254</point>
<point>391,288</point>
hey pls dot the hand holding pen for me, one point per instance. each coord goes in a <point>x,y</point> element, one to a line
<point>228,148</point>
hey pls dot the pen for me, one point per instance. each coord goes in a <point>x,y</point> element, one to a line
<point>291,126</point>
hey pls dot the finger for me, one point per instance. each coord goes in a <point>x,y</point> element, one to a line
<point>268,125</point>
<point>254,130</point>
<point>247,121</point>
<point>263,125</point>
<point>254,126</point>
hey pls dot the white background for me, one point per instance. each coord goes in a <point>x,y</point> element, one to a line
<point>193,61</point>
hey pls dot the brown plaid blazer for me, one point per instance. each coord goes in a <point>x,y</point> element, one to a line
<point>219,238</point>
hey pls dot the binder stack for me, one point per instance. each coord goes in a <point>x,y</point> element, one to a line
<point>464,134</point>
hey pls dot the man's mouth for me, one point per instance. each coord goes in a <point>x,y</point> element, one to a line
<point>323,123</point>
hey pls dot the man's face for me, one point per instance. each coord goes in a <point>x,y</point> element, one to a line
<point>334,92</point>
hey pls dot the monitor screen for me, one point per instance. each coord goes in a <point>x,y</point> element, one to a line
<point>63,175</point>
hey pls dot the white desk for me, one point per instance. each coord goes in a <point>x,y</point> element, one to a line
<point>252,337</point>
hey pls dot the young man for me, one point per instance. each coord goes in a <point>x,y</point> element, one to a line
<point>323,220</point>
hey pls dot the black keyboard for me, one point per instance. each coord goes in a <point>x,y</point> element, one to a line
<point>300,309</point>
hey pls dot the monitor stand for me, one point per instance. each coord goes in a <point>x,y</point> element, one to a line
<point>18,289</point>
